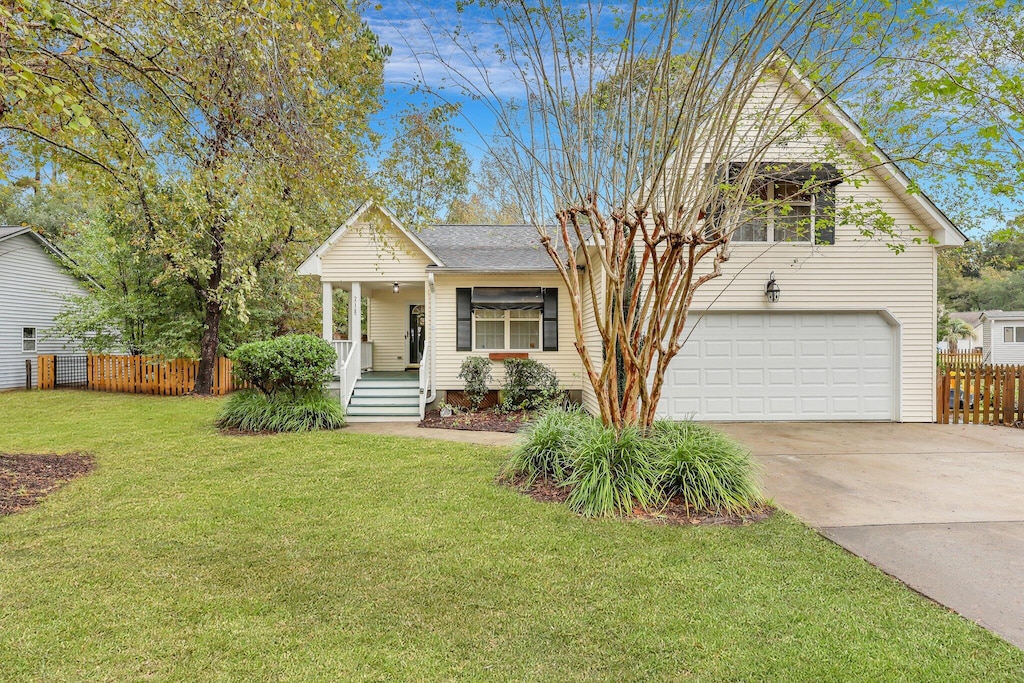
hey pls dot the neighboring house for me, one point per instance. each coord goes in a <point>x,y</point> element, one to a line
<point>852,336</point>
<point>1003,335</point>
<point>33,284</point>
<point>971,344</point>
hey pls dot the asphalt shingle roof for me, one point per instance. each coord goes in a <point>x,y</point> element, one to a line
<point>488,247</point>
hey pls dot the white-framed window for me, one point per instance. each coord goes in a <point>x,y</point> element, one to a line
<point>1013,334</point>
<point>28,339</point>
<point>506,330</point>
<point>783,211</point>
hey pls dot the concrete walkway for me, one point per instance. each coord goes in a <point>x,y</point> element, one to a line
<point>940,507</point>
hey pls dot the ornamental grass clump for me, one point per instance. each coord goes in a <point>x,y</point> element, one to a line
<point>613,472</point>
<point>704,468</point>
<point>289,374</point>
<point>547,446</point>
<point>610,472</point>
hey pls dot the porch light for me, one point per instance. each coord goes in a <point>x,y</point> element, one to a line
<point>771,290</point>
<point>395,288</point>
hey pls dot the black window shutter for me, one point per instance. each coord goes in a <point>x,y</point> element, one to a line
<point>551,319</point>
<point>825,215</point>
<point>463,318</point>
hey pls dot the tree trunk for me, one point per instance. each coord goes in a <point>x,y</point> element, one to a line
<point>208,347</point>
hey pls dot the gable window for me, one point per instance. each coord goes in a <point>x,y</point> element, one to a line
<point>787,202</point>
<point>1013,334</point>
<point>28,339</point>
<point>779,211</point>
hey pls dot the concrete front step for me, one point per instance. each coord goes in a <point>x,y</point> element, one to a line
<point>388,383</point>
<point>359,400</point>
<point>382,418</point>
<point>381,411</point>
<point>372,391</point>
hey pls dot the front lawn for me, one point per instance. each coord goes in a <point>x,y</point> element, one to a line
<point>190,555</point>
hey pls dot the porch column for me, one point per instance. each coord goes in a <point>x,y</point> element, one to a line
<point>328,311</point>
<point>355,324</point>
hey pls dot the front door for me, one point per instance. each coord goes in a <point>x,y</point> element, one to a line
<point>417,334</point>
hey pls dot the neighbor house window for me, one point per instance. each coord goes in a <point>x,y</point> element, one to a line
<point>1011,334</point>
<point>779,211</point>
<point>507,330</point>
<point>28,339</point>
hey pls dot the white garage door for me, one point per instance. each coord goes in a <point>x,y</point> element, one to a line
<point>783,366</point>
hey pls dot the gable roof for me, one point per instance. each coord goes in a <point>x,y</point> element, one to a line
<point>894,177</point>
<point>489,248</point>
<point>311,266</point>
<point>972,318</point>
<point>1002,315</point>
<point>10,231</point>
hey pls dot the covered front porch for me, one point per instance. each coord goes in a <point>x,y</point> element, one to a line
<point>379,330</point>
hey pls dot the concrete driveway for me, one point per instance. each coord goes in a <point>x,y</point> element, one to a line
<point>940,507</point>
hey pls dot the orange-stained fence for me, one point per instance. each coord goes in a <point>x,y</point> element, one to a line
<point>962,359</point>
<point>991,394</point>
<point>143,375</point>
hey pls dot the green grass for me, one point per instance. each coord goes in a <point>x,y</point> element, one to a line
<point>188,555</point>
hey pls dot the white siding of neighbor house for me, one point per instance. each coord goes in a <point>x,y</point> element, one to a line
<point>389,323</point>
<point>32,285</point>
<point>1004,353</point>
<point>565,362</point>
<point>373,250</point>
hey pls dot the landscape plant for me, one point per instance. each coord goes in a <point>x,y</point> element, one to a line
<point>612,472</point>
<point>289,375</point>
<point>476,372</point>
<point>528,385</point>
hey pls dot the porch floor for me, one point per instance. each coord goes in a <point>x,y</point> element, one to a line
<point>390,374</point>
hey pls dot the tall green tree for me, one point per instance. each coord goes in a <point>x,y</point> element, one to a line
<point>244,129</point>
<point>426,168</point>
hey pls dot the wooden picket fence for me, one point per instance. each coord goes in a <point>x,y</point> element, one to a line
<point>143,375</point>
<point>991,394</point>
<point>963,359</point>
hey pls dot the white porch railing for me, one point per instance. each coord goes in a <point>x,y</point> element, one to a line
<point>346,367</point>
<point>424,377</point>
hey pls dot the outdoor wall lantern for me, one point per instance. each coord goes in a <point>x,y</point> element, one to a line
<point>771,290</point>
<point>395,288</point>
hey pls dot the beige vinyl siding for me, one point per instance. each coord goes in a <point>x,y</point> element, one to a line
<point>857,273</point>
<point>373,250</point>
<point>565,362</point>
<point>592,336</point>
<point>389,323</point>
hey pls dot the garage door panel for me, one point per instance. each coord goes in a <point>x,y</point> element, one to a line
<point>783,366</point>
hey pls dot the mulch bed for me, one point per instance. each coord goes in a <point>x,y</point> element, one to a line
<point>676,512</point>
<point>27,479</point>
<point>480,421</point>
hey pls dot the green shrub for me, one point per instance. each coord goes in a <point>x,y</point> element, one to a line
<point>546,447</point>
<point>289,374</point>
<point>705,468</point>
<point>613,472</point>
<point>295,363</point>
<point>529,385</point>
<point>255,411</point>
<point>476,371</point>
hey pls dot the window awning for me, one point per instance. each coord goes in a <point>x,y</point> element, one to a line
<point>502,298</point>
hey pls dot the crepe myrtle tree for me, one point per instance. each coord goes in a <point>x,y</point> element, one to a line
<point>648,136</point>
